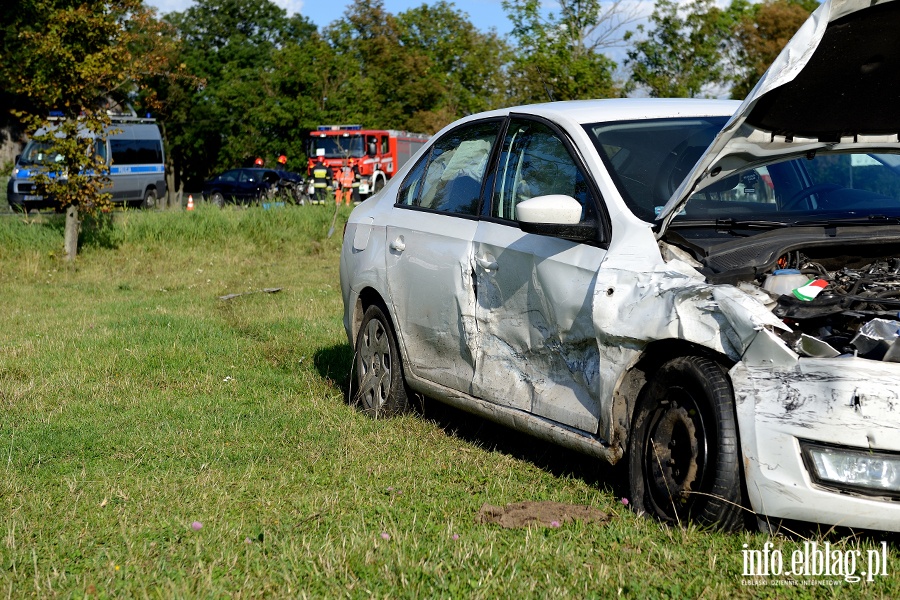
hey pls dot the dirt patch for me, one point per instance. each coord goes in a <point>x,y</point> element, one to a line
<point>545,514</point>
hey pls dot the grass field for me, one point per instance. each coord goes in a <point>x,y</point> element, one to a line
<point>158,441</point>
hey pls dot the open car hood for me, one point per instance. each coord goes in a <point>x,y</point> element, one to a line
<point>834,87</point>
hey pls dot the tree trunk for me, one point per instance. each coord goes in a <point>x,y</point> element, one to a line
<point>73,228</point>
<point>170,185</point>
<point>180,196</point>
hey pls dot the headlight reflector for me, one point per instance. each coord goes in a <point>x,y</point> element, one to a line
<point>854,469</point>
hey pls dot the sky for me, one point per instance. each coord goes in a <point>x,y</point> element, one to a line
<point>484,14</point>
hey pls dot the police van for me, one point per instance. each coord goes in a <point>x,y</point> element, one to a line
<point>133,150</point>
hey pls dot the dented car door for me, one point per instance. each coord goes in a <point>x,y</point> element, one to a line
<point>430,249</point>
<point>537,350</point>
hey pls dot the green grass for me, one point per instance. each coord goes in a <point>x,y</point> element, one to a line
<point>134,402</point>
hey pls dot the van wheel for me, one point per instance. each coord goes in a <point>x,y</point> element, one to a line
<point>683,454</point>
<point>218,199</point>
<point>377,370</point>
<point>149,199</point>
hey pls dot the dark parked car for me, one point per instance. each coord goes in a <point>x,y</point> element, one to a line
<point>247,185</point>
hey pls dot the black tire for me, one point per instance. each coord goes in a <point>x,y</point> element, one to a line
<point>217,199</point>
<point>684,453</point>
<point>149,199</point>
<point>379,185</point>
<point>378,386</point>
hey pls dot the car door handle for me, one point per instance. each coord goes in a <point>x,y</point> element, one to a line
<point>486,263</point>
<point>398,245</point>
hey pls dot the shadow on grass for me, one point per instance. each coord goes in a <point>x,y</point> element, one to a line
<point>97,230</point>
<point>559,461</point>
<point>334,364</point>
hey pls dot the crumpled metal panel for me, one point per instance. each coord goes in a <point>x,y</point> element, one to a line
<point>536,346</point>
<point>672,301</point>
<point>845,401</point>
<point>429,278</point>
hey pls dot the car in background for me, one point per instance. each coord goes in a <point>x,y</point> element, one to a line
<point>244,186</point>
<point>706,292</point>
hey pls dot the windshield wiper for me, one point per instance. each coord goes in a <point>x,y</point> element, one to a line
<point>731,223</point>
<point>835,221</point>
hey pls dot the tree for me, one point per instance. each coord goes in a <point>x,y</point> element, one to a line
<point>243,50</point>
<point>761,33</point>
<point>76,59</point>
<point>383,81</point>
<point>467,64</point>
<point>684,49</point>
<point>561,56</point>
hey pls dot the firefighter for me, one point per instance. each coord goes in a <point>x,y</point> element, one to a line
<point>322,179</point>
<point>347,179</point>
<point>282,161</point>
<point>259,162</point>
<point>356,177</point>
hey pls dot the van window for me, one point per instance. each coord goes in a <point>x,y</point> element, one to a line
<point>136,152</point>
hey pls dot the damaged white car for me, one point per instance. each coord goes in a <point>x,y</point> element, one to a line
<point>706,290</point>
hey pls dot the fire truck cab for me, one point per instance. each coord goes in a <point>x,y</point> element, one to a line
<point>379,153</point>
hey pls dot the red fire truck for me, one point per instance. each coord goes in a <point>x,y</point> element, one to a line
<point>379,153</point>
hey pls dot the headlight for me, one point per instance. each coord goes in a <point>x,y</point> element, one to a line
<point>876,473</point>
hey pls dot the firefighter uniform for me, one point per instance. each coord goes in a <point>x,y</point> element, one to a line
<point>347,179</point>
<point>322,181</point>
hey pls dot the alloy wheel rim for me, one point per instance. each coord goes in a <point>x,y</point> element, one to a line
<point>374,366</point>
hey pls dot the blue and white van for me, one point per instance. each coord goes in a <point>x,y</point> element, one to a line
<point>134,152</point>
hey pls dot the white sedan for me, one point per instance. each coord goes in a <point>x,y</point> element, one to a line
<point>706,290</point>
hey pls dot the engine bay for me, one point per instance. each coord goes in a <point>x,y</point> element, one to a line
<point>856,309</point>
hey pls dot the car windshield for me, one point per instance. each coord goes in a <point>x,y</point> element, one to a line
<point>649,159</point>
<point>337,146</point>
<point>37,153</point>
<point>820,188</point>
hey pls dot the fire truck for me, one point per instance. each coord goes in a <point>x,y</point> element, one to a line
<point>379,153</point>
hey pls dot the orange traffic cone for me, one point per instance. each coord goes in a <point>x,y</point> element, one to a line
<point>190,205</point>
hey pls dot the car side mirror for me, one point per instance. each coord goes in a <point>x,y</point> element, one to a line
<point>555,215</point>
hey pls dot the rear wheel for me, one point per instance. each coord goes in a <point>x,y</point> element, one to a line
<point>684,458</point>
<point>149,199</point>
<point>377,370</point>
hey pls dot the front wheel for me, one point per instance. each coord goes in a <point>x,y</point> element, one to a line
<point>684,454</point>
<point>377,370</point>
<point>217,199</point>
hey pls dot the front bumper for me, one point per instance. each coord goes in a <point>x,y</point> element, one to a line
<point>849,402</point>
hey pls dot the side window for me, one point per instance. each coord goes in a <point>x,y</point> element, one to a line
<point>385,146</point>
<point>410,187</point>
<point>229,176</point>
<point>535,162</point>
<point>247,176</point>
<point>136,152</point>
<point>449,178</point>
